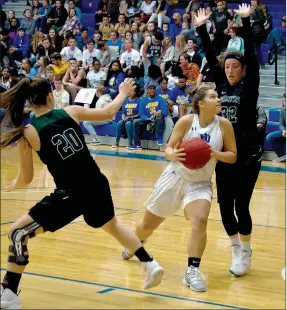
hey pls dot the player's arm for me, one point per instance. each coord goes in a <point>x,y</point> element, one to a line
<point>26,172</point>
<point>229,155</point>
<point>82,114</point>
<point>172,150</point>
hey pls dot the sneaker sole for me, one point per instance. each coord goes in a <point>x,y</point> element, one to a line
<point>156,278</point>
<point>187,285</point>
<point>236,275</point>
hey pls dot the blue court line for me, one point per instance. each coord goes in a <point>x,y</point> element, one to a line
<point>130,290</point>
<point>164,159</point>
<point>107,290</point>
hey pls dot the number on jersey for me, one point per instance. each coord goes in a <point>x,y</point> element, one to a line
<point>68,143</point>
<point>230,113</point>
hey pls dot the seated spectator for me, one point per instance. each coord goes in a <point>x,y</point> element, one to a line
<point>153,110</point>
<point>178,48</point>
<point>37,39</point>
<point>177,28</point>
<point>5,43</point>
<point>104,100</point>
<point>278,138</point>
<point>147,8</point>
<point>184,29</point>
<point>50,76</point>
<point>55,40</point>
<point>3,17</point>
<point>41,66</point>
<point>115,45</point>
<point>236,42</point>
<point>89,55</point>
<point>26,69</point>
<point>74,79</point>
<point>61,96</point>
<point>130,57</point>
<point>278,35</point>
<point>114,78</point>
<point>167,55</point>
<point>130,9</point>
<point>45,49</point>
<point>122,27</point>
<point>5,80</point>
<point>96,77</point>
<point>181,97</point>
<point>43,13</point>
<point>160,16</point>
<point>35,7</point>
<point>153,77</point>
<point>97,38</point>
<point>11,16</point>
<point>72,23</point>
<point>59,66</point>
<point>72,51</point>
<point>82,42</point>
<point>106,28</point>
<point>173,76</point>
<point>191,51</point>
<point>261,127</point>
<point>103,10</point>
<point>21,46</point>
<point>57,16</point>
<point>189,69</point>
<point>130,112</point>
<point>13,28</point>
<point>28,23</point>
<point>78,11</point>
<point>191,9</point>
<point>103,54</point>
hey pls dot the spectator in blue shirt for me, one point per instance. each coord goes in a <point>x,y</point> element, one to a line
<point>21,45</point>
<point>153,110</point>
<point>130,112</point>
<point>114,78</point>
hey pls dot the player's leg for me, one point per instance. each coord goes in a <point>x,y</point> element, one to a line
<point>248,177</point>
<point>226,182</point>
<point>23,229</point>
<point>197,208</point>
<point>144,230</point>
<point>127,238</point>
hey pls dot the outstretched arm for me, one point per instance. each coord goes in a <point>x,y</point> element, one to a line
<point>82,114</point>
<point>251,79</point>
<point>200,20</point>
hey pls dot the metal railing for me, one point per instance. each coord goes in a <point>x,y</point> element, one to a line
<point>274,61</point>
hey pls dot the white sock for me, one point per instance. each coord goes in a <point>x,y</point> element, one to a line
<point>235,241</point>
<point>245,246</point>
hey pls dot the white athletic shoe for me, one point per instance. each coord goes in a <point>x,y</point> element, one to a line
<point>154,274</point>
<point>241,261</point>
<point>194,279</point>
<point>9,300</point>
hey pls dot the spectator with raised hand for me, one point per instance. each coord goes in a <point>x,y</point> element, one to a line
<point>278,138</point>
<point>237,88</point>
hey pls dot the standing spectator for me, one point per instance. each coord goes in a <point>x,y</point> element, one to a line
<point>97,76</point>
<point>278,138</point>
<point>152,50</point>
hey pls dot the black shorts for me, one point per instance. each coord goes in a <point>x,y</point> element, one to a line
<point>236,181</point>
<point>63,206</point>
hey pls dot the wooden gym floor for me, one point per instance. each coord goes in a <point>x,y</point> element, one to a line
<point>81,268</point>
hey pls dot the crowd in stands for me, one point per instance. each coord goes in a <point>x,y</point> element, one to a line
<point>131,39</point>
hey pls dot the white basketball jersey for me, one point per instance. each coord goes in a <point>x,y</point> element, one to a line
<point>213,136</point>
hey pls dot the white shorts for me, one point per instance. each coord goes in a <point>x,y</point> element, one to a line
<point>172,191</point>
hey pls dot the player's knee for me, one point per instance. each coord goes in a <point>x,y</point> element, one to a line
<point>198,223</point>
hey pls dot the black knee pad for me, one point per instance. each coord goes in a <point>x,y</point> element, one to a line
<point>18,248</point>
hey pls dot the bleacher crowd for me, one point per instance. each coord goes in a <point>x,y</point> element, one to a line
<point>150,41</point>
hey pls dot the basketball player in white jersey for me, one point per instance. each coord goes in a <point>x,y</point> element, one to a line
<point>192,189</point>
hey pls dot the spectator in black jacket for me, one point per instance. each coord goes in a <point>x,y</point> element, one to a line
<point>57,17</point>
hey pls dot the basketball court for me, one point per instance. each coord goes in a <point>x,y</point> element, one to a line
<point>81,268</point>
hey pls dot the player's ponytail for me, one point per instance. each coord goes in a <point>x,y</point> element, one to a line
<point>35,91</point>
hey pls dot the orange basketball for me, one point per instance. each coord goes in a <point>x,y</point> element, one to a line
<point>197,153</point>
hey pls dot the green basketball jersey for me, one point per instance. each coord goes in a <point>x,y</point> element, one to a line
<point>64,151</point>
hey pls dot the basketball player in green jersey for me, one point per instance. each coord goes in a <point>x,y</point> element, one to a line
<point>57,138</point>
